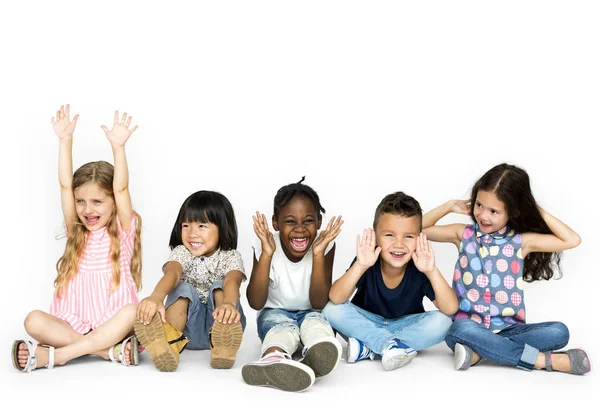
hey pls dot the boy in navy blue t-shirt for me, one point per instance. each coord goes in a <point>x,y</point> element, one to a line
<point>393,270</point>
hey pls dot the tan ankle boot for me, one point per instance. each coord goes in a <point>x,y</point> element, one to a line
<point>163,342</point>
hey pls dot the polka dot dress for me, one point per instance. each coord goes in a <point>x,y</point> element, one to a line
<point>488,278</point>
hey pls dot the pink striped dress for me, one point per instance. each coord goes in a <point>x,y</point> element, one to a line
<point>88,300</point>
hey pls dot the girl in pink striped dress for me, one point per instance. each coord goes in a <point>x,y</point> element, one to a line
<point>99,274</point>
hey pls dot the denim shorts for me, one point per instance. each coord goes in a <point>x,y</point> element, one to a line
<point>269,318</point>
<point>199,315</point>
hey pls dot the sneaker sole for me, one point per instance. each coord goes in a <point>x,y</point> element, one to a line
<point>400,361</point>
<point>322,358</point>
<point>284,376</point>
<point>152,336</point>
<point>226,340</point>
<point>460,356</point>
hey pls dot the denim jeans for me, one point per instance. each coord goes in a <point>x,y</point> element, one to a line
<point>286,329</point>
<point>418,331</point>
<point>517,345</point>
<point>199,315</point>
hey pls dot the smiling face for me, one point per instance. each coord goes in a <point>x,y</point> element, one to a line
<point>297,224</point>
<point>489,212</point>
<point>397,237</point>
<point>93,206</point>
<point>201,239</point>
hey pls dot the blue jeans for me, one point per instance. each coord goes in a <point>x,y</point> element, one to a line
<point>419,331</point>
<point>199,315</point>
<point>517,345</point>
<point>287,329</point>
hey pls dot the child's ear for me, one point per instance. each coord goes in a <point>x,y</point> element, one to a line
<point>275,223</point>
<point>319,222</point>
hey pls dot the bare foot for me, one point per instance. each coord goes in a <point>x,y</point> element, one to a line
<point>561,362</point>
<point>116,353</point>
<point>475,358</point>
<point>41,353</point>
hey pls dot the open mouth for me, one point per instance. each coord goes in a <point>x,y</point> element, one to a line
<point>195,245</point>
<point>299,245</point>
<point>92,220</point>
<point>398,256</point>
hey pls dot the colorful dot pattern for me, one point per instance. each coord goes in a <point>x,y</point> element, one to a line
<point>488,278</point>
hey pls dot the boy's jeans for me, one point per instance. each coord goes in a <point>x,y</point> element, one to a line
<point>285,329</point>
<point>517,345</point>
<point>418,331</point>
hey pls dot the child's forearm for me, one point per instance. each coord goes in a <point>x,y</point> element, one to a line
<point>121,177</point>
<point>320,282</point>
<point>561,230</point>
<point>65,163</point>
<point>433,216</point>
<point>168,282</point>
<point>258,287</point>
<point>445,298</point>
<point>342,288</point>
<point>231,287</point>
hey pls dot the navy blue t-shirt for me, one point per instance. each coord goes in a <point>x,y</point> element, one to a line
<point>407,298</point>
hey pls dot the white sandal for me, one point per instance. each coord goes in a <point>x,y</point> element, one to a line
<point>135,359</point>
<point>31,358</point>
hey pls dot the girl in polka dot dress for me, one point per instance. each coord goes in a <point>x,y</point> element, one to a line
<point>99,274</point>
<point>512,241</point>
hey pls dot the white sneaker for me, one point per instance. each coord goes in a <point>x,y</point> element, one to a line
<point>278,370</point>
<point>396,355</point>
<point>323,356</point>
<point>358,351</point>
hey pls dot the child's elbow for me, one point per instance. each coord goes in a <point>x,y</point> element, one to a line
<point>576,241</point>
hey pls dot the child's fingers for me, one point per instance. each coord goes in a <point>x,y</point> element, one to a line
<point>124,118</point>
<point>105,129</point>
<point>75,120</point>
<point>220,315</point>
<point>67,110</point>
<point>227,316</point>
<point>116,121</point>
<point>134,129</point>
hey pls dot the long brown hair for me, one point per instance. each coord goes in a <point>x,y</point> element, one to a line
<point>101,173</point>
<point>511,185</point>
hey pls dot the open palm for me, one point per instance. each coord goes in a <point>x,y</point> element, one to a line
<point>63,125</point>
<point>423,257</point>
<point>120,131</point>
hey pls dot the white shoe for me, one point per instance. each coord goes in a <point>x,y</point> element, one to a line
<point>278,370</point>
<point>323,356</point>
<point>358,351</point>
<point>396,355</point>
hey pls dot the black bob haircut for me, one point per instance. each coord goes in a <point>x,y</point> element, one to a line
<point>207,207</point>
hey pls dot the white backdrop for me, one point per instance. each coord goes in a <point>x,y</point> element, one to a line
<point>364,98</point>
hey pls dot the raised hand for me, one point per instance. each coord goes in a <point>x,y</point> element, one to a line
<point>461,207</point>
<point>327,235</point>
<point>423,257</point>
<point>120,131</point>
<point>63,125</point>
<point>366,251</point>
<point>261,228</point>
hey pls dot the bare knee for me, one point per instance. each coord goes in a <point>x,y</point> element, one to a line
<point>35,321</point>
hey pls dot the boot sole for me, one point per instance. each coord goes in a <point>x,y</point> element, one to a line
<point>284,376</point>
<point>226,340</point>
<point>153,338</point>
<point>322,358</point>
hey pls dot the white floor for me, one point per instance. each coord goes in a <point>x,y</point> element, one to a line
<point>428,386</point>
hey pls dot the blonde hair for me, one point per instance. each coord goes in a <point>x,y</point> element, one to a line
<point>101,173</point>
